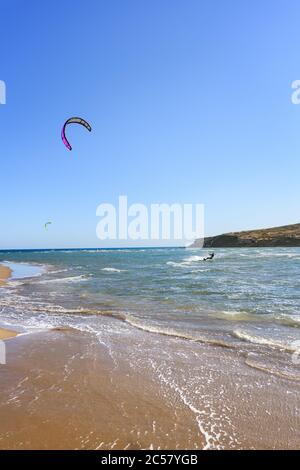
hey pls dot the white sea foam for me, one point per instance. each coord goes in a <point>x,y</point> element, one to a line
<point>113,270</point>
<point>291,320</point>
<point>156,329</point>
<point>270,254</point>
<point>263,340</point>
<point>69,279</point>
<point>58,271</point>
<point>186,262</point>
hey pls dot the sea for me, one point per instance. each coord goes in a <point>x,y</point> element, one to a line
<point>245,300</point>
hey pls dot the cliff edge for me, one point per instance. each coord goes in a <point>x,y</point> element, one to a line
<point>287,235</point>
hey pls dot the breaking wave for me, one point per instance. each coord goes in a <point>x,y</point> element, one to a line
<point>113,270</point>
<point>262,340</point>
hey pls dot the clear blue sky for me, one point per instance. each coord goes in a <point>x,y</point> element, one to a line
<point>190,101</point>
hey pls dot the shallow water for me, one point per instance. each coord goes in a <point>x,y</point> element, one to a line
<point>251,295</point>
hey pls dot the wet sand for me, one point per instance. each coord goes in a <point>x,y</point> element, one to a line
<point>5,274</point>
<point>63,389</point>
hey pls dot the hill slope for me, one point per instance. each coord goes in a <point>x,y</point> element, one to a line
<point>287,235</point>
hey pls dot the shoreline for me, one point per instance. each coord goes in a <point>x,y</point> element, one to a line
<point>79,378</point>
<point>112,404</point>
<point>129,410</point>
<point>5,274</point>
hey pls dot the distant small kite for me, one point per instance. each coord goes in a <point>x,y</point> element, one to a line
<point>46,225</point>
<point>73,120</point>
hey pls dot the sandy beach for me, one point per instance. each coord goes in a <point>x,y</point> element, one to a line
<point>150,229</point>
<point>6,334</point>
<point>51,382</point>
<point>120,351</point>
<point>5,273</point>
<point>65,390</point>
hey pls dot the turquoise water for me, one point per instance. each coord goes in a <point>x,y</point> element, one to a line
<point>243,297</point>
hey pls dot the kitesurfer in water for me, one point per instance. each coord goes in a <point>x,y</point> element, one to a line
<point>210,256</point>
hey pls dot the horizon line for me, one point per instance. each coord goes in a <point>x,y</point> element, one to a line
<point>93,248</point>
